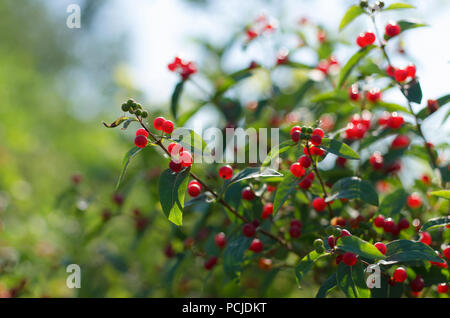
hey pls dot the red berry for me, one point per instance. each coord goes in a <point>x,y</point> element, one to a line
<point>395,121</point>
<point>361,40</point>
<point>331,241</point>
<point>401,141</point>
<point>319,204</point>
<point>295,133</point>
<point>369,37</point>
<point>425,238</point>
<point>211,262</point>
<point>390,71</point>
<point>376,161</point>
<point>295,222</point>
<point>392,29</point>
<point>432,105</point>
<point>140,141</point>
<point>318,132</point>
<point>400,275</point>
<point>142,132</point>
<point>381,247</point>
<point>169,251</point>
<point>411,70</point>
<point>414,201</point>
<point>118,199</point>
<point>295,231</point>
<point>311,176</point>
<point>175,149</point>
<point>389,225</point>
<point>251,34</point>
<point>248,229</point>
<point>220,240</point>
<point>167,127</point>
<point>316,151</point>
<point>226,172</point>
<point>442,288</point>
<point>267,210</point>
<point>379,221</point>
<point>403,224</point>
<point>353,92</point>
<point>256,246</point>
<point>194,189</point>
<point>339,259</point>
<point>175,166</point>
<point>349,259</point>
<point>316,140</point>
<point>186,159</point>
<point>447,252</point>
<point>159,122</point>
<point>305,183</point>
<point>305,161</point>
<point>374,95</point>
<point>417,284</point>
<point>340,161</point>
<point>297,170</point>
<point>400,74</point>
<point>248,194</point>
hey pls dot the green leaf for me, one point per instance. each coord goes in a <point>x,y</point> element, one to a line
<point>442,194</point>
<point>393,203</point>
<point>351,280</point>
<point>391,107</point>
<point>387,290</point>
<point>172,190</point>
<point>443,100</point>
<point>352,62</point>
<point>408,251</point>
<point>399,6</point>
<point>284,189</point>
<point>327,286</point>
<point>276,151</point>
<point>406,25</point>
<point>435,223</point>
<point>359,247</point>
<point>352,13</point>
<point>252,173</point>
<point>339,148</point>
<point>306,263</point>
<point>125,162</point>
<point>175,98</point>
<point>413,92</point>
<point>354,188</point>
<point>234,255</point>
<point>117,122</point>
<point>191,141</point>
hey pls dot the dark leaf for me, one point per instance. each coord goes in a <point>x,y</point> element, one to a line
<point>176,98</point>
<point>354,60</point>
<point>351,280</point>
<point>393,203</point>
<point>339,148</point>
<point>359,247</point>
<point>408,251</point>
<point>354,188</point>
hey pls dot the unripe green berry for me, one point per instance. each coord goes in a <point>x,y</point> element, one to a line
<point>337,232</point>
<point>320,250</point>
<point>138,112</point>
<point>329,230</point>
<point>364,4</point>
<point>144,114</point>
<point>302,136</point>
<point>130,103</point>
<point>125,107</point>
<point>309,130</point>
<point>318,243</point>
<point>380,4</point>
<point>139,106</point>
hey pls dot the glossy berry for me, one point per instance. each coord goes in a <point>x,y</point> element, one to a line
<point>169,251</point>
<point>140,141</point>
<point>403,224</point>
<point>248,230</point>
<point>305,184</point>
<point>297,170</point>
<point>220,240</point>
<point>210,263</point>
<point>295,231</point>
<point>411,70</point>
<point>446,252</point>
<point>400,275</point>
<point>226,172</point>
<point>319,204</point>
<point>349,259</point>
<point>381,247</point>
<point>353,93</point>
<point>373,95</point>
<point>295,222</point>
<point>389,225</point>
<point>442,288</point>
<point>175,149</point>
<point>400,75</point>
<point>316,140</point>
<point>425,238</point>
<point>393,29</point>
<point>167,127</point>
<point>256,246</point>
<point>432,105</point>
<point>248,194</point>
<point>295,133</point>
<point>318,132</point>
<point>267,210</point>
<point>395,121</point>
<point>414,201</point>
<point>159,122</point>
<point>175,166</point>
<point>376,161</point>
<point>401,141</point>
<point>390,71</point>
<point>305,161</point>
<point>142,132</point>
<point>194,189</point>
<point>265,264</point>
<point>331,241</point>
<point>417,284</point>
<point>365,39</point>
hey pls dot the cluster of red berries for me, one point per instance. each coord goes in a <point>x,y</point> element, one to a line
<point>141,138</point>
<point>194,188</point>
<point>181,158</point>
<point>312,138</point>
<point>373,95</point>
<point>389,226</point>
<point>160,123</point>
<point>402,74</point>
<point>391,120</point>
<point>282,56</point>
<point>365,39</point>
<point>262,25</point>
<point>306,183</point>
<point>358,126</point>
<point>184,68</point>
<point>330,64</point>
<point>295,228</point>
<point>376,160</point>
<point>392,29</point>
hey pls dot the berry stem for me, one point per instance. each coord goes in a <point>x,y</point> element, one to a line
<point>220,200</point>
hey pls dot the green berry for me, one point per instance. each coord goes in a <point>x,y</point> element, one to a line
<point>139,106</point>
<point>318,243</point>
<point>144,114</point>
<point>309,130</point>
<point>130,103</point>
<point>337,232</point>
<point>320,250</point>
<point>138,112</point>
<point>125,107</point>
<point>364,4</point>
<point>329,230</point>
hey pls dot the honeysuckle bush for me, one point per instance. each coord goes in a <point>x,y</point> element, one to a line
<point>334,205</point>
